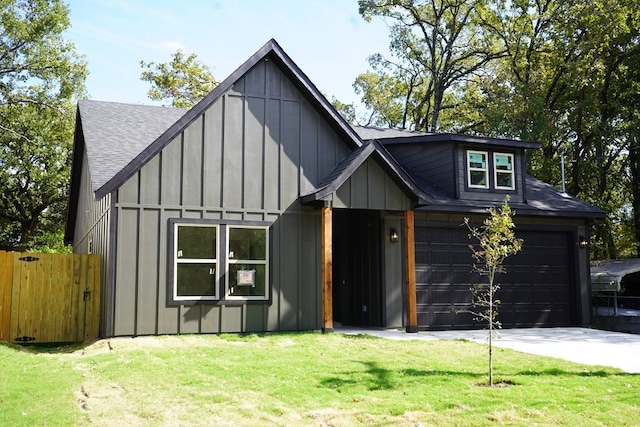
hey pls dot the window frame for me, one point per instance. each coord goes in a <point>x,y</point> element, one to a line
<point>510,172</point>
<point>222,263</point>
<point>177,260</point>
<point>475,169</point>
<point>233,261</point>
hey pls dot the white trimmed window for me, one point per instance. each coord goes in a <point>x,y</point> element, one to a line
<point>477,169</point>
<point>503,171</point>
<point>248,271</point>
<point>213,261</point>
<point>195,262</point>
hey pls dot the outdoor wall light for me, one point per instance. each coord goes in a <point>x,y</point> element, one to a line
<point>393,235</point>
<point>582,242</point>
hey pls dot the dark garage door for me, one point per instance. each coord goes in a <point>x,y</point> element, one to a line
<point>536,291</point>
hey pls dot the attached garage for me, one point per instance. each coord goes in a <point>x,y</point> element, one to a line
<point>538,290</point>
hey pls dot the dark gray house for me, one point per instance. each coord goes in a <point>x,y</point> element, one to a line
<point>261,209</point>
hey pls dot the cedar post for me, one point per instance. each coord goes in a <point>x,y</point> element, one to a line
<point>410,270</point>
<point>327,270</point>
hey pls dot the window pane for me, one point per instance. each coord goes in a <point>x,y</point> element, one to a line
<point>257,272</point>
<point>504,162</point>
<point>477,160</point>
<point>248,243</point>
<point>196,280</point>
<point>196,242</point>
<point>504,179</point>
<point>478,178</point>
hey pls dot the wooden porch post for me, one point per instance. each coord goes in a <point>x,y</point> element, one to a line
<point>327,270</point>
<point>410,270</point>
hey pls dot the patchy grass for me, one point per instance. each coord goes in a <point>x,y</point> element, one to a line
<point>304,379</point>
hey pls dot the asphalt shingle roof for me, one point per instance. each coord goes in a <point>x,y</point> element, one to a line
<point>115,133</point>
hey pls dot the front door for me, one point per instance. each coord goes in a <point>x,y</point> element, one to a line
<point>357,257</point>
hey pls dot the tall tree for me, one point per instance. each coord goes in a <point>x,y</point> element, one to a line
<point>40,77</point>
<point>560,84</point>
<point>436,45</point>
<point>183,81</point>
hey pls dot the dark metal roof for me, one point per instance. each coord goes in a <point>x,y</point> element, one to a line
<point>401,136</point>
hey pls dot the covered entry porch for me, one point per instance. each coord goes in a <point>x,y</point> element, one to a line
<point>368,269</point>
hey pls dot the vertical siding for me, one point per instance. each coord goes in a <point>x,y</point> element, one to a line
<point>249,156</point>
<point>126,272</point>
<point>393,289</point>
<point>148,274</point>
<point>369,187</point>
<point>92,226</point>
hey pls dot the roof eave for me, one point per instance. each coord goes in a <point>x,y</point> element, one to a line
<point>449,137</point>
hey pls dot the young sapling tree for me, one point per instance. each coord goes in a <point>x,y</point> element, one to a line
<point>496,241</point>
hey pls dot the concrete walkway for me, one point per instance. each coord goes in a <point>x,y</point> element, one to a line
<point>581,345</point>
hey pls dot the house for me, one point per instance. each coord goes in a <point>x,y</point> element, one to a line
<point>261,209</point>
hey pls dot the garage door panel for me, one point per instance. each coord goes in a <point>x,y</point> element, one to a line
<point>535,291</point>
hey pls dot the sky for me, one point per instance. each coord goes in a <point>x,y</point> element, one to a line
<point>327,39</point>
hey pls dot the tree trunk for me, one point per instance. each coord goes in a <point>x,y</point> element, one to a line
<point>634,166</point>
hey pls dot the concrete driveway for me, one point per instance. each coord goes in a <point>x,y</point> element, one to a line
<point>581,345</point>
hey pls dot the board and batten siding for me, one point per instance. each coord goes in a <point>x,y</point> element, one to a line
<point>370,187</point>
<point>248,156</point>
<point>92,228</point>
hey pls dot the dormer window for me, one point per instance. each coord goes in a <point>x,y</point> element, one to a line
<point>478,170</point>
<point>490,170</point>
<point>503,171</point>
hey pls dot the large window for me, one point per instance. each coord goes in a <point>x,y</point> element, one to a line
<point>483,165</point>
<point>216,261</point>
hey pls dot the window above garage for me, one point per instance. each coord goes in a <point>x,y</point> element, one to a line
<point>490,170</point>
<point>489,173</point>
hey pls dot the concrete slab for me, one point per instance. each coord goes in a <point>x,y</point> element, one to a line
<point>580,345</point>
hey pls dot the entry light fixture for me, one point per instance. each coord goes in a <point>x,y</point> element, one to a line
<point>393,235</point>
<point>582,242</point>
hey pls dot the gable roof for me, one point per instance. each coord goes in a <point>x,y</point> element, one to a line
<point>121,138</point>
<point>343,171</point>
<point>270,51</point>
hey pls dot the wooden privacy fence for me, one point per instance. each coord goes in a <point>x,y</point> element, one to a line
<point>46,298</point>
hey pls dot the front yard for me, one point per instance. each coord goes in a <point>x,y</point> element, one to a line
<point>303,379</point>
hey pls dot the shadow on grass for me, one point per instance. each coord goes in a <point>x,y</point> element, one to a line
<point>60,347</point>
<point>376,377</point>
<point>555,372</point>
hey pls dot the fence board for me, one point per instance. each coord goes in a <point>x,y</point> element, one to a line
<point>55,298</point>
<point>6,279</point>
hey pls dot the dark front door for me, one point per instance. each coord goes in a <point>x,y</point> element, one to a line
<point>357,284</point>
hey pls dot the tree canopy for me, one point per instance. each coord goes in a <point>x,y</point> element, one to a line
<point>564,73</point>
<point>41,75</point>
<point>183,81</point>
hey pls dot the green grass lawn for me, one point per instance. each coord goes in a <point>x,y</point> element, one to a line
<point>304,379</point>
